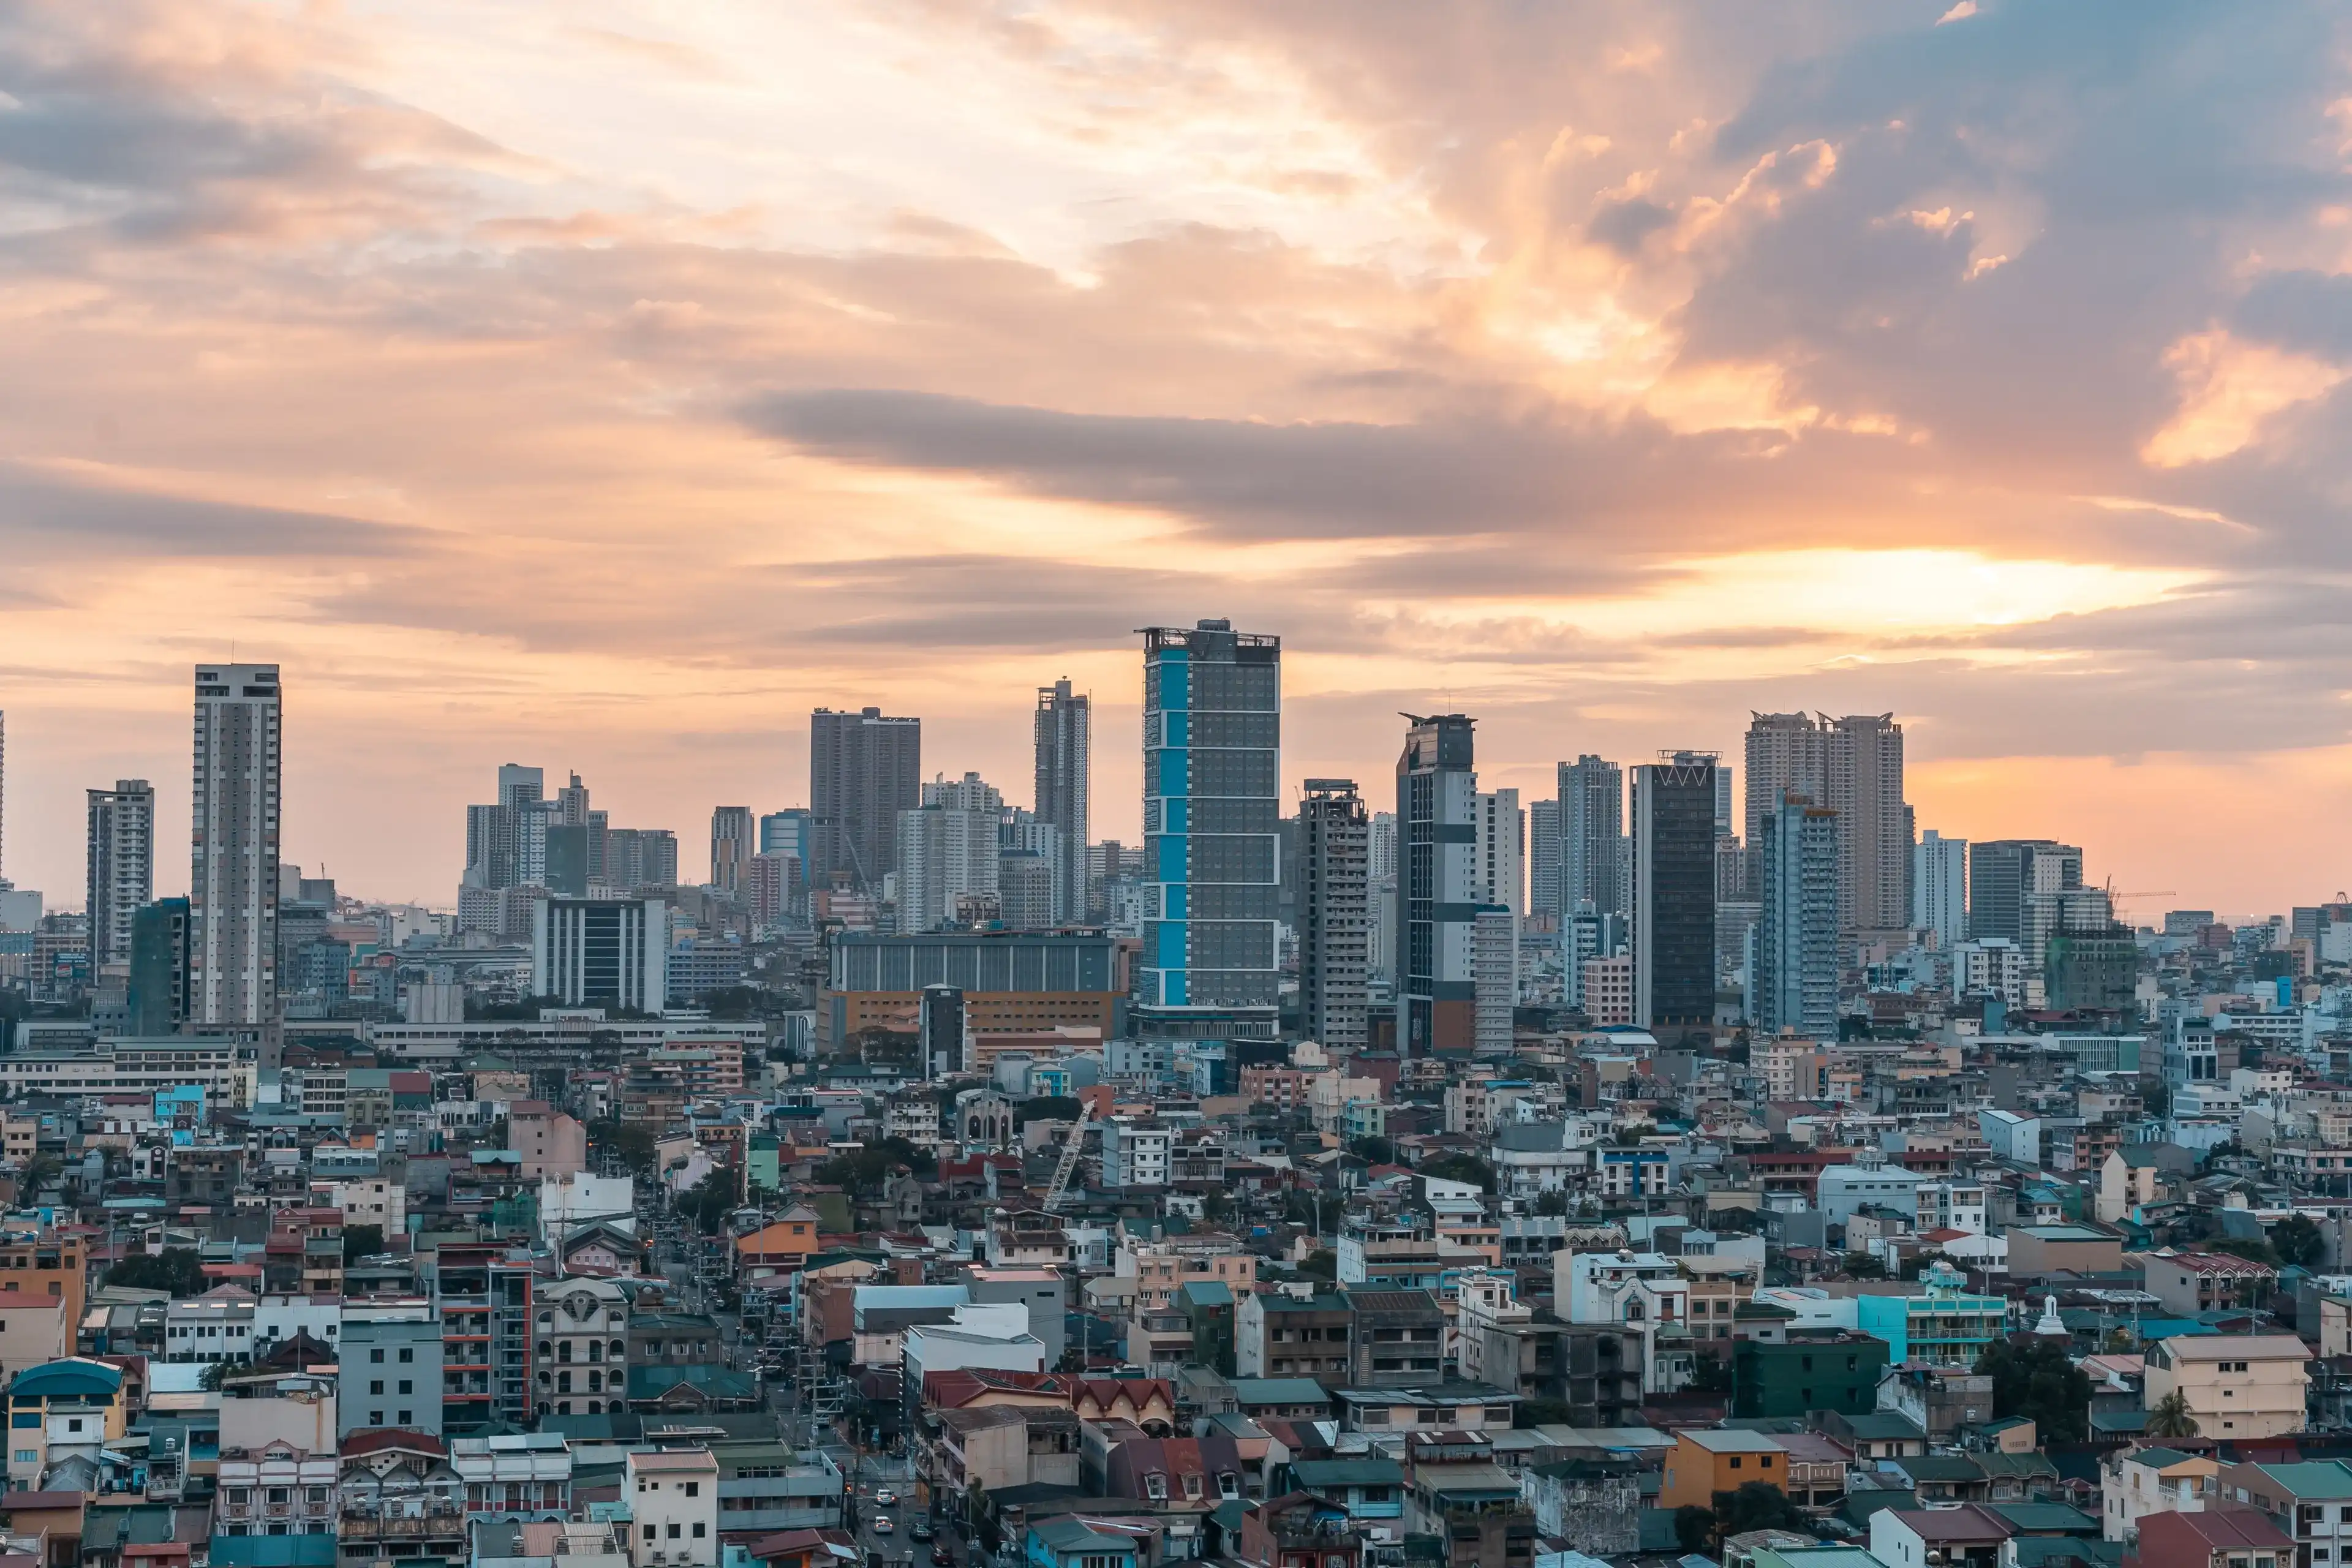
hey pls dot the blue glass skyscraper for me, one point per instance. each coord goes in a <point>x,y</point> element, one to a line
<point>1212,796</point>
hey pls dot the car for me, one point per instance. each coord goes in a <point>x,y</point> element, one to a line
<point>884,1497</point>
<point>920,1530</point>
<point>941,1557</point>
<point>881,1525</point>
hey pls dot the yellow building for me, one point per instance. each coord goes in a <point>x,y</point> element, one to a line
<point>1702,1463</point>
<point>2236,1385</point>
<point>55,1398</point>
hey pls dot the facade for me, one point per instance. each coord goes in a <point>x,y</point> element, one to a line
<point>1673,894</point>
<point>1943,1327</point>
<point>122,871</point>
<point>1335,914</point>
<point>1013,982</point>
<point>2136,1482</point>
<point>673,1498</point>
<point>732,833</point>
<point>581,1346</point>
<point>864,770</point>
<point>1865,756</point>
<point>1211,800</point>
<point>1794,977</point>
<point>233,870</point>
<point>601,953</point>
<point>156,993</point>
<point>2004,875</point>
<point>1702,1463</point>
<point>1437,888</point>
<point>1940,887</point>
<point>1499,869</point>
<point>947,852</point>
<point>1806,1373</point>
<point>1062,733</point>
<point>1543,857</point>
<point>391,1357</point>
<point>1495,974</point>
<point>2236,1385</point>
<point>1593,836</point>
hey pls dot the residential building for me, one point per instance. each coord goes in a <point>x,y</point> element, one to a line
<point>1704,1462</point>
<point>73,1400</point>
<point>1212,798</point>
<point>1287,1333</point>
<point>582,1347</point>
<point>391,1359</point>
<point>1335,914</point>
<point>1940,887</point>
<point>2307,1500</point>
<point>1592,853</point>
<point>1673,895</point>
<point>121,869</point>
<point>1437,888</point>
<point>1495,978</point>
<point>1062,737</point>
<point>2005,875</point>
<point>1942,1326</point>
<point>278,1489</point>
<point>948,852</point>
<point>2214,1538</point>
<point>233,872</point>
<point>734,836</point>
<point>1396,1338</point>
<point>1794,978</point>
<point>1499,868</point>
<point>216,1326</point>
<point>2192,1283</point>
<point>864,769</point>
<point>602,952</point>
<point>1816,1370</point>
<point>673,1498</point>
<point>1543,858</point>
<point>2238,1386</point>
<point>517,1476</point>
<point>2135,1482</point>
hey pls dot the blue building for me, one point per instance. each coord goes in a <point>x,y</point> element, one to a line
<point>1944,1325</point>
<point>1212,803</point>
<point>1073,1542</point>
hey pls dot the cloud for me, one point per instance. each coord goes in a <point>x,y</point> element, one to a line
<point>2228,390</point>
<point>46,515</point>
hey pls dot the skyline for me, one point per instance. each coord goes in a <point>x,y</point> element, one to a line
<point>553,385</point>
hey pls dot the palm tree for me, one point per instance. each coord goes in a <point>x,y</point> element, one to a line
<point>2170,1417</point>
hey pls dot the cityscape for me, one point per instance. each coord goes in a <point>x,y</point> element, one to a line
<point>1116,783</point>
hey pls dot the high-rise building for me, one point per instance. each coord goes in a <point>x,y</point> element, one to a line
<point>786,832</point>
<point>4,883</point>
<point>234,838</point>
<point>1940,887</point>
<point>864,770</point>
<point>1793,983</point>
<point>769,885</point>
<point>1437,888</point>
<point>1335,913</point>
<point>601,953</point>
<point>1727,815</point>
<point>1024,890</point>
<point>1381,872</point>
<point>947,849</point>
<point>1211,797</point>
<point>1787,754</point>
<point>2003,875</point>
<point>1495,978</point>
<point>1063,731</point>
<point>1543,857</point>
<point>732,845</point>
<point>1500,868</point>
<point>157,990</point>
<point>1591,835</point>
<point>1673,894</point>
<point>1853,765</point>
<point>1021,832</point>
<point>121,865</point>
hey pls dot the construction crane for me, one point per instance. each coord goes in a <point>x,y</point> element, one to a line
<point>1067,1166</point>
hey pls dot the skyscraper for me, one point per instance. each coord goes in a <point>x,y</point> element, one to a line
<point>1940,887</point>
<point>4,883</point>
<point>1787,754</point>
<point>1335,913</point>
<point>732,845</point>
<point>1211,783</point>
<point>1063,731</point>
<point>1795,982</point>
<point>1591,831</point>
<point>947,849</point>
<point>1865,758</point>
<point>864,770</point>
<point>1387,921</point>
<point>121,865</point>
<point>1673,894</point>
<point>1543,857</point>
<point>234,841</point>
<point>2004,874</point>
<point>156,993</point>
<point>1437,888</point>
<point>1502,850</point>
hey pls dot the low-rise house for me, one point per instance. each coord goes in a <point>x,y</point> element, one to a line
<point>2135,1482</point>
<point>1704,1462</point>
<point>2216,1538</point>
<point>1968,1536</point>
<point>2236,1385</point>
<point>2308,1500</point>
<point>2191,1283</point>
<point>278,1490</point>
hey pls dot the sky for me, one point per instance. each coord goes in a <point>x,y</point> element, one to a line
<point>603,385</point>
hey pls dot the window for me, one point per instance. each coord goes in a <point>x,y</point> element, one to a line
<point>375,1354</point>
<point>694,1489</point>
<point>375,1386</point>
<point>406,1387</point>
<point>405,1419</point>
<point>406,1354</point>
<point>674,1533</point>
<point>698,1529</point>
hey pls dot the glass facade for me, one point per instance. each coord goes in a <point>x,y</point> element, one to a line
<point>1212,795</point>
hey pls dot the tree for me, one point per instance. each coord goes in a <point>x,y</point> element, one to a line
<point>2168,1418</point>
<point>1710,1374</point>
<point>866,1172</point>
<point>1045,1108</point>
<point>2038,1381</point>
<point>1864,1266</point>
<point>1756,1505</point>
<point>41,1170</point>
<point>710,1201</point>
<point>175,1268</point>
<point>1694,1527</point>
<point>2298,1241</point>
<point>2252,1248</point>
<point>215,1374</point>
<point>1372,1151</point>
<point>1324,1264</point>
<point>1554,1202</point>
<point>633,1146</point>
<point>361,1241</point>
<point>1461,1168</point>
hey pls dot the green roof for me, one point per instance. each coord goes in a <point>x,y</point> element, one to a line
<point>2312,1478</point>
<point>718,1381</point>
<point>1279,1391</point>
<point>1311,1474</point>
<point>56,1379</point>
<point>2044,1518</point>
<point>1882,1426</point>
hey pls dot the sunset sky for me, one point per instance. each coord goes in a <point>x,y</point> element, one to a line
<point>602,384</point>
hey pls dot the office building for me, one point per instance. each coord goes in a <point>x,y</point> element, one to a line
<point>1025,886</point>
<point>732,845</point>
<point>1853,765</point>
<point>1063,735</point>
<point>640,857</point>
<point>864,770</point>
<point>1335,914</point>
<point>1940,887</point>
<point>1437,888</point>
<point>601,953</point>
<point>1793,982</point>
<point>156,993</point>
<point>1500,866</point>
<point>947,850</point>
<point>786,832</point>
<point>233,870</point>
<point>1019,834</point>
<point>1012,982</point>
<point>1212,796</point>
<point>2005,874</point>
<point>1543,857</point>
<point>1673,894</point>
<point>121,865</point>
<point>1591,835</point>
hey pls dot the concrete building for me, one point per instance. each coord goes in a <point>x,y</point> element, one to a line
<point>121,867</point>
<point>1335,914</point>
<point>391,1360</point>
<point>733,835</point>
<point>1500,866</point>
<point>1211,800</point>
<point>1543,858</point>
<point>583,1346</point>
<point>1673,895</point>
<point>948,851</point>
<point>1062,737</point>
<point>1437,888</point>
<point>233,870</point>
<point>601,953</point>
<point>673,1498</point>
<point>864,769</point>
<point>2237,1385</point>
<point>1794,979</point>
<point>1940,887</point>
<point>1495,976</point>
<point>1592,852</point>
<point>2005,875</point>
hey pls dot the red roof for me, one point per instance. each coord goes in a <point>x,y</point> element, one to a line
<point>2216,1263</point>
<point>374,1439</point>
<point>10,1500</point>
<point>1968,1523</point>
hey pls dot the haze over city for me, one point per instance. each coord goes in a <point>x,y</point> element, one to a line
<point>604,386</point>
